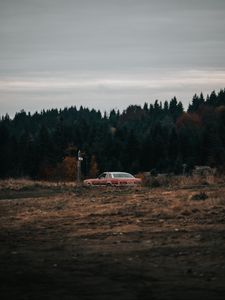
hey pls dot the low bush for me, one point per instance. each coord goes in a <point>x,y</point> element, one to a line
<point>200,196</point>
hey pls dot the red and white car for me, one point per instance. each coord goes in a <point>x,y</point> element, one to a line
<point>113,178</point>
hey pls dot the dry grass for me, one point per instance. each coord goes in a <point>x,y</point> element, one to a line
<point>177,196</point>
<point>148,181</point>
<point>84,236</point>
<point>181,181</point>
<point>27,184</point>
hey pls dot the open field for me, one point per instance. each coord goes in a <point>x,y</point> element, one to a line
<point>60,241</point>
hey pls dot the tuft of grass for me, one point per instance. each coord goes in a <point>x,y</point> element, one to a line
<point>154,182</point>
<point>24,184</point>
<point>174,181</point>
<point>200,196</point>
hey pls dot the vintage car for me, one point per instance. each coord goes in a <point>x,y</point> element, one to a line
<point>113,178</point>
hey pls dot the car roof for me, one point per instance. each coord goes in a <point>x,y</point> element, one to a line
<point>118,172</point>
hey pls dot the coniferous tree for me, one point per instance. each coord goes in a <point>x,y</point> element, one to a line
<point>157,136</point>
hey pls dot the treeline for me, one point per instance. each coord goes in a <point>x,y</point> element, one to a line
<point>160,136</point>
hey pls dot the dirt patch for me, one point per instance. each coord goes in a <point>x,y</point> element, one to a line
<point>113,243</point>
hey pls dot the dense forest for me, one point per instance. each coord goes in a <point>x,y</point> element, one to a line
<point>160,137</point>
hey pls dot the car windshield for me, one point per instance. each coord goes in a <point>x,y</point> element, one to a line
<point>103,175</point>
<point>122,175</point>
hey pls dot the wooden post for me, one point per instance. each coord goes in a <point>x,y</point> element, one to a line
<point>79,160</point>
<point>78,167</point>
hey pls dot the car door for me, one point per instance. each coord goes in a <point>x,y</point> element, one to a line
<point>102,179</point>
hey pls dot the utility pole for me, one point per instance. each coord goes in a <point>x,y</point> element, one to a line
<point>79,160</point>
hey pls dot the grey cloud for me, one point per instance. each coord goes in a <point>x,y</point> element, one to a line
<point>109,38</point>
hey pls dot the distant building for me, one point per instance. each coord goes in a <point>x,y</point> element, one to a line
<point>203,171</point>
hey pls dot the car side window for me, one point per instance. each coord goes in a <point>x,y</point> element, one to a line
<point>103,175</point>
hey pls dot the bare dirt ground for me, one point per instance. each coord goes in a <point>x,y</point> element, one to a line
<point>67,242</point>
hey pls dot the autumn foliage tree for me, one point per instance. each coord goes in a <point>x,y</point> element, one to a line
<point>67,169</point>
<point>93,167</point>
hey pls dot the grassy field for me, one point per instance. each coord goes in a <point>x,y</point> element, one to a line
<point>62,241</point>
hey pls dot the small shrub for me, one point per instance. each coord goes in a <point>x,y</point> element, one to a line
<point>199,196</point>
<point>155,183</point>
<point>159,181</point>
<point>186,212</point>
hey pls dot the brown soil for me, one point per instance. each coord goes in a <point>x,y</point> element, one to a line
<point>112,243</point>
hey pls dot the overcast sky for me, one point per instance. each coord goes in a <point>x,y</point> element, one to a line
<point>108,54</point>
